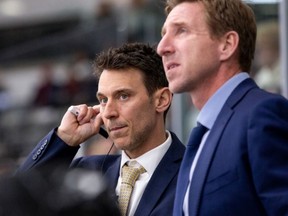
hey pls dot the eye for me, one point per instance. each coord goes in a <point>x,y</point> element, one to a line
<point>123,96</point>
<point>102,100</point>
<point>180,30</point>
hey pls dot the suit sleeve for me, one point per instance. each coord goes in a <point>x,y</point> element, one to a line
<point>268,154</point>
<point>50,151</point>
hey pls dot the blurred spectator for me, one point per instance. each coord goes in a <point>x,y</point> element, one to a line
<point>46,93</point>
<point>100,29</point>
<point>79,84</point>
<point>77,192</point>
<point>70,92</point>
<point>78,88</point>
<point>104,11</point>
<point>142,21</point>
<point>81,64</point>
<point>4,95</point>
<point>267,57</point>
<point>83,73</point>
<point>8,164</point>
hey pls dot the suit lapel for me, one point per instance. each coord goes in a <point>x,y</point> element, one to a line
<point>206,157</point>
<point>112,173</point>
<point>204,161</point>
<point>163,175</point>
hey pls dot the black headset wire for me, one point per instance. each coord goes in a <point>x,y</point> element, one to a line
<point>104,160</point>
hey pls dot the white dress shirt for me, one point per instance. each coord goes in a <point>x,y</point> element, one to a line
<point>149,161</point>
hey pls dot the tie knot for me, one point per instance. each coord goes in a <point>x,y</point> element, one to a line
<point>131,174</point>
<point>201,129</point>
<point>196,135</point>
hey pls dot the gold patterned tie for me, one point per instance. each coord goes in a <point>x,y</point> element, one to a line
<point>129,177</point>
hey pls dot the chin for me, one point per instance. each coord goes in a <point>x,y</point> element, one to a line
<point>121,144</point>
<point>175,89</point>
<point>171,88</point>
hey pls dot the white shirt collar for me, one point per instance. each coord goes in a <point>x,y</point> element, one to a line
<point>154,156</point>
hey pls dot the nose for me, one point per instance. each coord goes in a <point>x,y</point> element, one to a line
<point>164,47</point>
<point>109,111</point>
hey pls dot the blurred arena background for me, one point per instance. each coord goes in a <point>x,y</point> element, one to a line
<point>46,50</point>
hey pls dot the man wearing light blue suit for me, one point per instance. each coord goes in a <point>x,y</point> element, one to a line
<point>134,100</point>
<point>241,164</point>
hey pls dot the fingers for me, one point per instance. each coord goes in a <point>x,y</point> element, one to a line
<point>79,123</point>
<point>74,110</point>
<point>84,113</point>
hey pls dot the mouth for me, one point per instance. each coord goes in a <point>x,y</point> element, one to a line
<point>171,66</point>
<point>118,131</point>
<point>116,128</point>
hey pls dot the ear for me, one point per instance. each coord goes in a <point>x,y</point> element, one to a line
<point>163,99</point>
<point>229,45</point>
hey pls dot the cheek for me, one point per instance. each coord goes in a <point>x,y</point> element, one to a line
<point>105,121</point>
<point>143,112</point>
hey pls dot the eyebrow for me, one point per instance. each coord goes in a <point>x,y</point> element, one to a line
<point>99,94</point>
<point>118,91</point>
<point>174,24</point>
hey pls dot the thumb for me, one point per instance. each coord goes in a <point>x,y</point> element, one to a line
<point>98,122</point>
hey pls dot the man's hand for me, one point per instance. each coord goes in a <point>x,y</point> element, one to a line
<point>79,123</point>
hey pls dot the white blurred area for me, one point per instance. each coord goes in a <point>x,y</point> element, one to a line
<point>15,12</point>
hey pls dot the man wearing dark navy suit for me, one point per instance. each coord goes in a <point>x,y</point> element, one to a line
<point>241,165</point>
<point>134,99</point>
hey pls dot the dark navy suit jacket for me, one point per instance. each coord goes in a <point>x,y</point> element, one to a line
<point>159,194</point>
<point>243,167</point>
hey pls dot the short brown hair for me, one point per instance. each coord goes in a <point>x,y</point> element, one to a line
<point>229,15</point>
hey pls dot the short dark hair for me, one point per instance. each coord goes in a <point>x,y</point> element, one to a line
<point>140,56</point>
<point>134,55</point>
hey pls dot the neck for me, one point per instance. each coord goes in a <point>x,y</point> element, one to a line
<point>208,87</point>
<point>156,138</point>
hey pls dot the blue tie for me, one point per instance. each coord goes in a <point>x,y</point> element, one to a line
<point>183,177</point>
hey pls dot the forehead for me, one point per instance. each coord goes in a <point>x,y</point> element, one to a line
<point>111,80</point>
<point>185,13</point>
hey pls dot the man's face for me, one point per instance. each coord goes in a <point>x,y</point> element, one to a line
<point>189,54</point>
<point>127,111</point>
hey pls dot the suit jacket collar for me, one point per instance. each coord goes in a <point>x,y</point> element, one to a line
<point>205,159</point>
<point>112,173</point>
<point>163,175</point>
<point>166,170</point>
